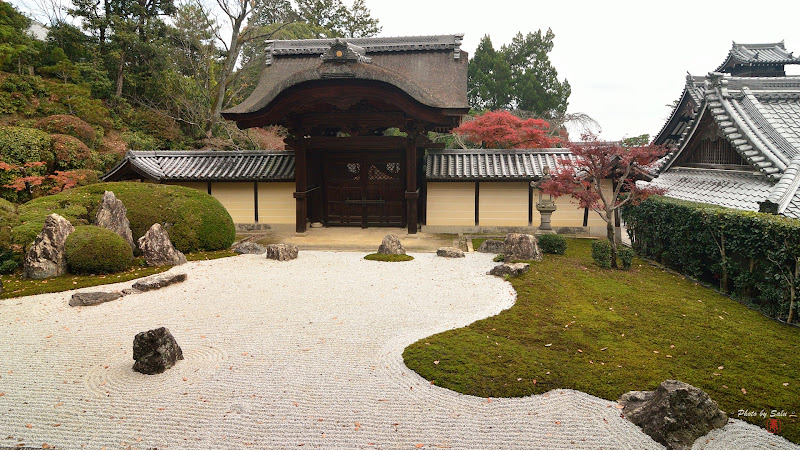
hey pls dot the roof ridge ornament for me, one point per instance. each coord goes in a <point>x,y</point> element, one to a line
<point>342,51</point>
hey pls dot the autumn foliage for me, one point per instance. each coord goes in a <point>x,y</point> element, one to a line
<point>597,160</point>
<point>501,129</point>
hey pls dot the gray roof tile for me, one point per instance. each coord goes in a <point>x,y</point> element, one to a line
<point>492,165</point>
<point>738,190</point>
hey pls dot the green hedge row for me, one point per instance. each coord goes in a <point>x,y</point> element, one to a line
<point>753,256</point>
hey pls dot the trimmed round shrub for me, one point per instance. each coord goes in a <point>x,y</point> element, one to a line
<point>91,249</point>
<point>69,125</point>
<point>554,244</point>
<point>626,256</point>
<point>70,153</point>
<point>19,145</point>
<point>196,220</point>
<point>8,267</point>
<point>601,253</point>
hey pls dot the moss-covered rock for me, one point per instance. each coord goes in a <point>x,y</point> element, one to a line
<point>195,220</point>
<point>91,249</point>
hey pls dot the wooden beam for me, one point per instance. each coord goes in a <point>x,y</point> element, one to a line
<point>353,143</point>
<point>477,203</point>
<point>300,188</point>
<point>412,190</point>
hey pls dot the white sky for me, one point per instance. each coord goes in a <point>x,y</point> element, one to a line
<point>625,60</point>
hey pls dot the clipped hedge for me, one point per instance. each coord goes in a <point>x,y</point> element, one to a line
<point>19,145</point>
<point>195,220</point>
<point>69,125</point>
<point>601,253</point>
<point>70,153</point>
<point>554,244</point>
<point>752,256</point>
<point>90,249</point>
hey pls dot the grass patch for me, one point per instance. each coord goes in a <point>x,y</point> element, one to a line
<point>17,286</point>
<point>388,258</point>
<point>610,332</point>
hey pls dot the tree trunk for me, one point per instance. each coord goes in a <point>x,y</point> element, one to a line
<point>612,238</point>
<point>227,69</point>
<point>120,73</point>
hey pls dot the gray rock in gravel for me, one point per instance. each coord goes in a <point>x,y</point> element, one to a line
<point>157,282</point>
<point>510,269</point>
<point>282,252</point>
<point>45,258</point>
<point>391,245</point>
<point>522,247</point>
<point>492,246</point>
<point>450,252</point>
<point>155,351</point>
<point>158,250</point>
<point>250,248</point>
<point>112,215</point>
<point>93,298</point>
<point>675,414</point>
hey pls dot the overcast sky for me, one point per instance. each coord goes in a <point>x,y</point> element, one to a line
<point>625,60</point>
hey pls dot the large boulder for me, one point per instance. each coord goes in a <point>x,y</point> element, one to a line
<point>450,252</point>
<point>675,414</point>
<point>158,250</point>
<point>155,351</point>
<point>391,245</point>
<point>510,269</point>
<point>521,247</point>
<point>492,246</point>
<point>282,252</point>
<point>249,248</point>
<point>45,258</point>
<point>112,215</point>
<point>93,298</point>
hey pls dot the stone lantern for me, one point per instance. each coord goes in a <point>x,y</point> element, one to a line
<point>545,205</point>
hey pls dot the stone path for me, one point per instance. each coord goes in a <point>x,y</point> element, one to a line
<point>299,354</point>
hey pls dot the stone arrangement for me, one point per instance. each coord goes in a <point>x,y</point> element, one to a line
<point>158,250</point>
<point>93,298</point>
<point>112,215</point>
<point>391,245</point>
<point>510,269</point>
<point>249,248</point>
<point>45,258</point>
<point>158,281</point>
<point>282,252</point>
<point>492,246</point>
<point>675,414</point>
<point>521,247</point>
<point>450,252</point>
<point>461,243</point>
<point>155,351</point>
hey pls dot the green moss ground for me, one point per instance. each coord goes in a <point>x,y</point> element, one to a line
<point>605,332</point>
<point>17,286</point>
<point>388,258</point>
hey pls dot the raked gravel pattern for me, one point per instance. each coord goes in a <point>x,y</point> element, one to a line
<point>298,354</point>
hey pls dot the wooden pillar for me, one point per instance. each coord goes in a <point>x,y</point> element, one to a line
<point>412,190</point>
<point>301,186</point>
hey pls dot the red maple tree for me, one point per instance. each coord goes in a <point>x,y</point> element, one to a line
<point>600,160</point>
<point>501,129</point>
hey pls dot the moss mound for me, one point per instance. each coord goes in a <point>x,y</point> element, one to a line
<point>195,220</point>
<point>91,249</point>
<point>388,258</point>
<point>8,220</point>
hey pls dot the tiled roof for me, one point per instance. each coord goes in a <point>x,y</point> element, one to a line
<point>370,45</point>
<point>683,113</point>
<point>492,165</point>
<point>163,166</point>
<point>758,54</point>
<point>732,189</point>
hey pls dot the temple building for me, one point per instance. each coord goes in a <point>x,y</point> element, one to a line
<point>337,98</point>
<point>735,134</point>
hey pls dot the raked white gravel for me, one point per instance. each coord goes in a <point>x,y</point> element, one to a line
<point>298,354</point>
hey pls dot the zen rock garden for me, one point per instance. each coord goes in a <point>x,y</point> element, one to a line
<point>155,351</point>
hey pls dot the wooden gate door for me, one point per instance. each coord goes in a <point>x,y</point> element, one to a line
<point>364,189</point>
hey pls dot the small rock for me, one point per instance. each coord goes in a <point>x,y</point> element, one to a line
<point>155,351</point>
<point>158,281</point>
<point>250,248</point>
<point>450,252</point>
<point>492,246</point>
<point>93,298</point>
<point>158,249</point>
<point>282,252</point>
<point>675,414</point>
<point>112,215</point>
<point>391,245</point>
<point>522,247</point>
<point>45,258</point>
<point>510,269</point>
<point>130,291</point>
